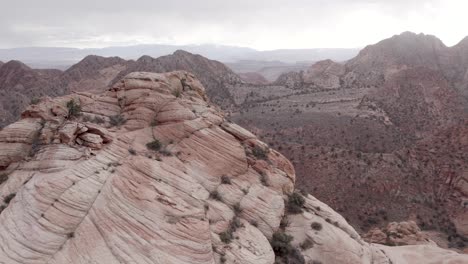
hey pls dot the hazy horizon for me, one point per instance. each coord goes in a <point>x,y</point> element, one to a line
<point>261,25</point>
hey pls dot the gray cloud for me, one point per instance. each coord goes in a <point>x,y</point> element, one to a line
<point>261,24</point>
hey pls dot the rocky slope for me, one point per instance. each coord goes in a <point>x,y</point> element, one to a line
<point>162,177</point>
<point>253,77</point>
<point>381,143</point>
<point>18,85</point>
<point>92,73</point>
<point>377,63</point>
<point>323,75</point>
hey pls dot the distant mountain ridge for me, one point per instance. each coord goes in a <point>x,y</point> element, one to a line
<point>61,58</point>
<point>378,62</point>
<point>19,83</point>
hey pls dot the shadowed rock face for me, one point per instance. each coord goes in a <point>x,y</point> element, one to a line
<point>21,85</point>
<point>81,185</point>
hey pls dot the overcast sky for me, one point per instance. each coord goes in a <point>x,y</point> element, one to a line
<point>260,24</point>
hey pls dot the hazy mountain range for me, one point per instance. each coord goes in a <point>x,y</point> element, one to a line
<point>62,58</point>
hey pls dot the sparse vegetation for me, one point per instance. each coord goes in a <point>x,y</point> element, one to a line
<point>117,120</point>
<point>3,177</point>
<point>132,151</point>
<point>86,118</point>
<point>9,197</point>
<point>176,93</point>
<point>215,195</point>
<point>35,101</point>
<point>281,243</point>
<point>227,236</point>
<point>284,222</point>
<point>157,145</point>
<point>284,251</point>
<point>74,109</point>
<point>295,203</point>
<point>154,145</point>
<point>260,153</point>
<point>98,120</point>
<point>154,122</point>
<point>36,140</point>
<point>308,243</point>
<point>225,179</point>
<point>316,226</point>
<point>264,179</point>
<point>236,208</point>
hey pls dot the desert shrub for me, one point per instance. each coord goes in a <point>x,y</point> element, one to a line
<point>215,195</point>
<point>284,251</point>
<point>98,120</point>
<point>117,120</point>
<point>154,122</point>
<point>316,226</point>
<point>235,224</point>
<point>35,101</point>
<point>154,145</point>
<point>295,203</point>
<point>284,222</point>
<point>176,93</point>
<point>228,235</point>
<point>36,140</point>
<point>225,237</point>
<point>225,179</point>
<point>70,235</point>
<point>74,109</point>
<point>281,243</point>
<point>260,153</point>
<point>87,118</point>
<point>132,151</point>
<point>35,145</point>
<point>9,197</point>
<point>237,209</point>
<point>264,179</point>
<point>308,243</point>
<point>3,177</point>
